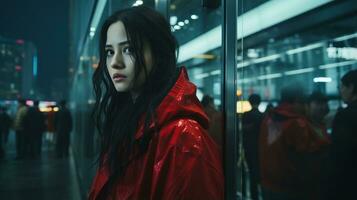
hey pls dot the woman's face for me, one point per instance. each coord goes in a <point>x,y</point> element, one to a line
<point>346,92</point>
<point>120,61</point>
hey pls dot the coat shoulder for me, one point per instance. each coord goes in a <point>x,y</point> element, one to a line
<point>185,134</point>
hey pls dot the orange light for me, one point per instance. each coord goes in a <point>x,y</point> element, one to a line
<point>239,92</point>
<point>45,109</point>
<point>243,106</point>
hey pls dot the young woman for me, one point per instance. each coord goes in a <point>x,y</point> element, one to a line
<point>153,129</point>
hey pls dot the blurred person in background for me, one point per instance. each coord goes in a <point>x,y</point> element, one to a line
<point>35,126</point>
<point>317,110</point>
<point>215,129</point>
<point>19,128</point>
<point>251,122</point>
<point>6,122</point>
<point>288,145</point>
<point>63,126</point>
<point>343,161</point>
<point>153,129</point>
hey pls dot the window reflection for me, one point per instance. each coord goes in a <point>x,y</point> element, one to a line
<point>293,49</point>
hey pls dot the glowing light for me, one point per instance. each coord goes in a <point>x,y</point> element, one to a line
<point>243,106</point>
<point>338,64</point>
<point>255,20</point>
<point>138,3</point>
<point>20,41</point>
<point>201,76</point>
<point>299,71</point>
<point>345,37</point>
<point>252,53</point>
<point>34,65</point>
<point>269,76</point>
<point>194,16</point>
<point>322,79</point>
<point>173,20</point>
<point>215,72</point>
<point>239,92</point>
<point>181,23</point>
<point>305,48</point>
<point>29,102</point>
<point>205,56</point>
<point>177,27</point>
<point>45,109</point>
<point>348,53</point>
<point>97,14</point>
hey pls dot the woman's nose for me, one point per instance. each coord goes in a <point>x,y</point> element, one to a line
<point>117,61</point>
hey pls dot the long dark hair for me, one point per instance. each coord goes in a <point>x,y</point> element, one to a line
<point>115,113</point>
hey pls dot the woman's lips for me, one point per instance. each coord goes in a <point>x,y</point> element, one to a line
<point>118,77</point>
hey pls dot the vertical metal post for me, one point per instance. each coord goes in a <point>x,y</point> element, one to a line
<point>162,7</point>
<point>229,43</point>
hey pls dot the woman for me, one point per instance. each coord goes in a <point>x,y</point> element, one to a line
<point>153,129</point>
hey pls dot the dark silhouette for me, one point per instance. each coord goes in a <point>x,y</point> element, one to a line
<point>343,161</point>
<point>317,110</point>
<point>34,124</point>
<point>63,128</point>
<point>251,122</point>
<point>6,123</point>
<point>215,126</point>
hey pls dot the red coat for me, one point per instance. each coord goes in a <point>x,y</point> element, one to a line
<point>182,161</point>
<point>291,152</point>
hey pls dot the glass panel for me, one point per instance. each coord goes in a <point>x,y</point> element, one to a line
<point>276,51</point>
<point>192,25</point>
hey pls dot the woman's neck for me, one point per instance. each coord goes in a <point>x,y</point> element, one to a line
<point>134,96</point>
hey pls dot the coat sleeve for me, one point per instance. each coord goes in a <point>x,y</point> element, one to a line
<point>189,166</point>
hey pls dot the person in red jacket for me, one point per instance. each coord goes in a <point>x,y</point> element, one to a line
<point>289,149</point>
<point>154,141</point>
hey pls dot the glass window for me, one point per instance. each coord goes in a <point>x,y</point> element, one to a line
<point>279,44</point>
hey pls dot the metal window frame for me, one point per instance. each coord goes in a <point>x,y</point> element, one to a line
<point>229,84</point>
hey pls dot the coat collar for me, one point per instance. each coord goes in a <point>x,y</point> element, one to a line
<point>180,102</point>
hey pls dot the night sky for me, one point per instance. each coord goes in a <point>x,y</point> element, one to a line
<point>45,23</point>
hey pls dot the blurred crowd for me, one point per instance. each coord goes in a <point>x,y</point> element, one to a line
<point>31,126</point>
<point>288,152</point>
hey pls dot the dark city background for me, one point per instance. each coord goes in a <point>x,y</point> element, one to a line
<point>45,24</point>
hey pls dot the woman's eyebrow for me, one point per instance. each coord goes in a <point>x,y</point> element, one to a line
<point>120,44</point>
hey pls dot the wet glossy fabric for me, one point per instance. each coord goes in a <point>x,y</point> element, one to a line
<point>182,161</point>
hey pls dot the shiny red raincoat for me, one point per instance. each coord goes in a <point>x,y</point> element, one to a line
<point>182,161</point>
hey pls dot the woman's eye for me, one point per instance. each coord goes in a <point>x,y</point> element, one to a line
<point>109,52</point>
<point>127,50</point>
